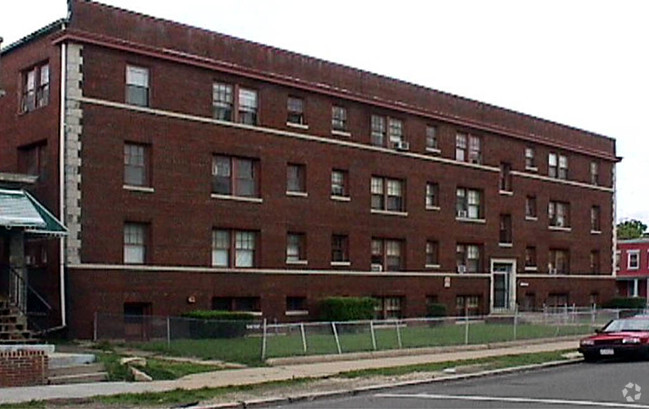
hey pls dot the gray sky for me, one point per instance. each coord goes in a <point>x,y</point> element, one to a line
<point>580,63</point>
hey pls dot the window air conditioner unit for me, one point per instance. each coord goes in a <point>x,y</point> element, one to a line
<point>461,269</point>
<point>377,267</point>
<point>462,213</point>
<point>553,271</point>
<point>30,260</point>
<point>402,145</point>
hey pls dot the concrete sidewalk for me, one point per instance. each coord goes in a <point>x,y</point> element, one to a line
<point>250,376</point>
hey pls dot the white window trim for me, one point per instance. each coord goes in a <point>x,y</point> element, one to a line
<point>532,168</point>
<point>143,189</point>
<point>432,266</point>
<point>341,198</point>
<point>506,245</point>
<point>237,198</point>
<point>298,262</point>
<point>296,194</point>
<point>298,126</point>
<point>531,218</point>
<point>628,259</point>
<point>389,212</point>
<point>341,263</point>
<point>470,220</point>
<point>595,232</point>
<point>433,208</point>
<point>506,192</point>
<point>531,268</point>
<point>557,228</point>
<point>433,150</point>
<point>293,313</point>
<point>341,133</point>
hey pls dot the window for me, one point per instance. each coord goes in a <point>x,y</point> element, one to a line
<point>35,88</point>
<point>135,243</point>
<point>530,160</point>
<point>295,111</point>
<point>222,101</point>
<point>431,138</point>
<point>559,261</point>
<point>594,173</point>
<point>339,183</point>
<point>339,248</point>
<point>295,248</point>
<point>295,178</point>
<point>468,203</point>
<point>387,255</point>
<point>618,257</point>
<point>530,207</point>
<point>136,164</point>
<point>232,176</point>
<point>247,304</point>
<point>388,307</point>
<point>505,234</point>
<point>387,194</point>
<point>594,219</point>
<point>137,86</point>
<point>296,304</point>
<point>468,258</point>
<point>432,195</point>
<point>468,148</point>
<point>394,131</point>
<point>32,159</point>
<point>467,305</point>
<point>339,119</point>
<point>239,252</point>
<point>594,262</point>
<point>432,253</point>
<point>633,259</point>
<point>505,177</point>
<point>247,106</point>
<point>557,166</point>
<point>530,258</point>
<point>559,214</point>
<point>378,130</point>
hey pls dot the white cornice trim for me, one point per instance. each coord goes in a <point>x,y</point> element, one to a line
<point>561,181</point>
<point>565,276</point>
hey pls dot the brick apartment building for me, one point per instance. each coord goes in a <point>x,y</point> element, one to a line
<point>195,170</point>
<point>633,267</point>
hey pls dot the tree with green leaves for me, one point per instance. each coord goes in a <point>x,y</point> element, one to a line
<point>631,229</point>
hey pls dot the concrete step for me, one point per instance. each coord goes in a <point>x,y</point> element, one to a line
<point>78,378</point>
<point>60,360</point>
<point>76,370</point>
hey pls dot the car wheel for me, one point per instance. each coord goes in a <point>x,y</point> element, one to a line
<point>590,357</point>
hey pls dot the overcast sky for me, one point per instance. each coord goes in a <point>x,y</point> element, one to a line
<point>580,63</point>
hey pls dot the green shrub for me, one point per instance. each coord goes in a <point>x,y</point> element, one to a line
<point>626,302</point>
<point>347,308</point>
<point>436,310</point>
<point>218,324</point>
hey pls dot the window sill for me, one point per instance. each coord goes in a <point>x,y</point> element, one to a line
<point>469,220</point>
<point>143,189</point>
<point>237,198</point>
<point>433,150</point>
<point>297,262</point>
<point>341,263</point>
<point>595,232</point>
<point>296,313</point>
<point>341,133</point>
<point>531,218</point>
<point>531,268</point>
<point>506,245</point>
<point>341,198</point>
<point>433,208</point>
<point>506,192</point>
<point>254,313</point>
<point>557,228</point>
<point>298,126</point>
<point>389,212</point>
<point>531,169</point>
<point>297,194</point>
<point>432,266</point>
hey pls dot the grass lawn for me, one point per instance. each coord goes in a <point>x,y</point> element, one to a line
<point>321,341</point>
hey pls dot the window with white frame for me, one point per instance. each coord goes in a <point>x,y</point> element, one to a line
<point>594,219</point>
<point>137,86</point>
<point>557,166</point>
<point>35,87</point>
<point>295,178</point>
<point>136,164</point>
<point>559,261</point>
<point>505,232</point>
<point>295,247</point>
<point>233,176</point>
<point>395,132</point>
<point>594,173</point>
<point>530,159</point>
<point>248,106</point>
<point>431,138</point>
<point>468,258</point>
<point>563,167</point>
<point>387,194</point>
<point>135,243</point>
<point>295,111</point>
<point>559,214</point>
<point>339,248</point>
<point>222,101</point>
<point>233,248</point>
<point>468,203</point>
<point>505,177</point>
<point>387,255</point>
<point>468,148</point>
<point>339,183</point>
<point>432,195</point>
<point>432,253</point>
<point>633,259</point>
<point>388,307</point>
<point>530,207</point>
<point>378,131</point>
<point>530,257</point>
<point>339,118</point>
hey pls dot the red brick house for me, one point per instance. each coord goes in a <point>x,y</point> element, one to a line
<point>633,267</point>
<point>197,170</point>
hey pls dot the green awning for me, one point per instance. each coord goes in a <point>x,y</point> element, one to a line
<point>21,210</point>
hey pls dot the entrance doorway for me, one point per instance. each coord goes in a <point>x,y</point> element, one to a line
<point>503,285</point>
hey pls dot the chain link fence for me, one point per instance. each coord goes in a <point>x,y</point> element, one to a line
<point>256,340</point>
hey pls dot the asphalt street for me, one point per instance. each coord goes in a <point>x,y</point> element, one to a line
<point>582,385</point>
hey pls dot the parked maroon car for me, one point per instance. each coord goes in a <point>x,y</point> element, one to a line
<point>622,338</point>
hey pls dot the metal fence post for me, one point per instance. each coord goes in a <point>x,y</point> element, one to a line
<point>168,332</point>
<point>396,323</point>
<point>333,326</point>
<point>515,322</point>
<point>94,328</point>
<point>373,335</point>
<point>263,341</point>
<point>466,329</point>
<point>303,336</point>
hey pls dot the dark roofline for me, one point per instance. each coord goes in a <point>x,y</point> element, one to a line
<point>50,28</point>
<point>335,64</point>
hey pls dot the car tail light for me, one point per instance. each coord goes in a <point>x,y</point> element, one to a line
<point>632,340</point>
<point>587,342</point>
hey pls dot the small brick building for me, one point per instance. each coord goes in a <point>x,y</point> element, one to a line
<point>633,267</point>
<point>197,170</point>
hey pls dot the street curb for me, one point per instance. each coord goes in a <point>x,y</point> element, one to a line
<point>367,389</point>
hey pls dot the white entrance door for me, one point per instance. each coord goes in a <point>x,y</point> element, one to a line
<point>503,285</point>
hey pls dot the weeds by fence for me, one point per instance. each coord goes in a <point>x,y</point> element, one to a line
<point>254,341</point>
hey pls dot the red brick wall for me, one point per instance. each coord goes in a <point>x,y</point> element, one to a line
<point>23,368</point>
